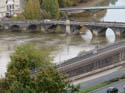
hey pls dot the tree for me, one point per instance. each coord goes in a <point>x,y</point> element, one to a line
<point>52,7</point>
<point>65,3</point>
<point>31,71</point>
<point>32,9</point>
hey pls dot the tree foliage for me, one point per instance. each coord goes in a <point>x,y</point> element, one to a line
<point>65,3</point>
<point>51,7</point>
<point>30,71</point>
<point>32,9</point>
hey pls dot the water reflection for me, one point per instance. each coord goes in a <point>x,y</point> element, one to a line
<point>4,59</point>
<point>87,36</point>
<point>110,36</point>
<point>67,46</point>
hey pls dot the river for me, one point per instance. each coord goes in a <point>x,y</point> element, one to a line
<point>65,47</point>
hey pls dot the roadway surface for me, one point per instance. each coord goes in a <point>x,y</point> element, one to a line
<point>118,73</point>
<point>91,8</point>
<point>119,85</point>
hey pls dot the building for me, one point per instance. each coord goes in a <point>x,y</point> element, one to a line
<point>11,7</point>
<point>3,8</point>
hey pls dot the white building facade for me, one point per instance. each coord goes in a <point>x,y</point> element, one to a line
<point>10,7</point>
<point>3,8</point>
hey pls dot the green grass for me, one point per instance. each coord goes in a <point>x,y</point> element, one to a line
<point>95,87</point>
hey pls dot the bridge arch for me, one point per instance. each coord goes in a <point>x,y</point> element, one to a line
<point>110,32</point>
<point>15,28</point>
<point>75,29</point>
<point>110,35</point>
<point>32,27</point>
<point>51,28</point>
<point>119,32</point>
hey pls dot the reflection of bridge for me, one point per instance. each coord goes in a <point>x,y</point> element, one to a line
<point>97,28</point>
<point>94,61</point>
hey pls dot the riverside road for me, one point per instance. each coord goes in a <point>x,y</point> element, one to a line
<point>118,85</point>
<point>101,79</point>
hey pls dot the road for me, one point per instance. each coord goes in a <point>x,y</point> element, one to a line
<point>118,85</point>
<point>119,72</point>
<point>92,8</point>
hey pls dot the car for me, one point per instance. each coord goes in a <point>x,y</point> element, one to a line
<point>112,90</point>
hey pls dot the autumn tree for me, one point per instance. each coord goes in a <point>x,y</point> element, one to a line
<point>32,9</point>
<point>31,71</point>
<point>51,7</point>
<point>66,3</point>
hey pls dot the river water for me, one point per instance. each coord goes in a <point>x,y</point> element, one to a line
<point>65,47</point>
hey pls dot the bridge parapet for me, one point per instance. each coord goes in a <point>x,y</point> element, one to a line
<point>98,28</point>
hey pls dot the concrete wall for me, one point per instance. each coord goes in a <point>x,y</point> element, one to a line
<point>2,8</point>
<point>95,62</point>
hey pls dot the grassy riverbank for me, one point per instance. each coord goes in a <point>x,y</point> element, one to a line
<point>91,3</point>
<point>88,15</point>
<point>95,87</point>
<point>103,84</point>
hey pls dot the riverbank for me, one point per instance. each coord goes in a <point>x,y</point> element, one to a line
<point>88,15</point>
<point>102,85</point>
<point>91,3</point>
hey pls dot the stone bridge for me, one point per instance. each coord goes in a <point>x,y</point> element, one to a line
<point>36,25</point>
<point>94,61</point>
<point>97,28</point>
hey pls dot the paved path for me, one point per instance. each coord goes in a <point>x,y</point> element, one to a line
<point>118,85</point>
<point>92,82</point>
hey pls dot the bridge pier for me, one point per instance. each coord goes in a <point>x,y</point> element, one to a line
<point>68,29</point>
<point>119,32</point>
<point>42,28</point>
